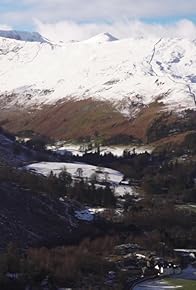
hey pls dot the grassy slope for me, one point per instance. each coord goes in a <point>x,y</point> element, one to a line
<point>144,119</point>
<point>78,119</point>
<point>187,284</point>
<point>70,120</point>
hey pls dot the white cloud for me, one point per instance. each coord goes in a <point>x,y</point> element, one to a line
<point>109,9</point>
<point>69,30</point>
<point>52,11</point>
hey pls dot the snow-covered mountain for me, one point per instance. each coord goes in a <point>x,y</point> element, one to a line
<point>125,72</point>
<point>22,35</point>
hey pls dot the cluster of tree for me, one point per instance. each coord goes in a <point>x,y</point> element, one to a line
<point>169,123</point>
<point>80,266</point>
<point>131,164</point>
<point>129,158</point>
<point>25,179</point>
<point>91,195</point>
<point>38,143</point>
<point>190,142</point>
<point>81,190</point>
<point>7,134</point>
<point>174,179</point>
<point>163,222</point>
<point>157,173</point>
<point>121,139</point>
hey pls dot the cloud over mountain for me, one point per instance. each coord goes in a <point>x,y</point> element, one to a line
<point>69,30</point>
<point>50,11</point>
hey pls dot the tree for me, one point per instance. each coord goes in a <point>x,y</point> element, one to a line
<point>106,176</point>
<point>65,178</point>
<point>94,178</point>
<point>79,172</point>
<point>37,143</point>
<point>52,184</point>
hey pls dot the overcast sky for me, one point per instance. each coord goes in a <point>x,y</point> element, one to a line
<point>81,19</point>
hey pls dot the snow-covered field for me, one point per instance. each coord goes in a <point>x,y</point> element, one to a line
<point>103,174</point>
<point>87,170</point>
<point>76,149</point>
<point>124,72</point>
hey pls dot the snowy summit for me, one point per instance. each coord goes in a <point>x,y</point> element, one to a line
<point>102,37</point>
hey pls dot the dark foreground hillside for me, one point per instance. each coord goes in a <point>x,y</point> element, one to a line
<point>28,218</point>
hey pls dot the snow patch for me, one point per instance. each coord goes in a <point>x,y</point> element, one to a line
<point>113,176</point>
<point>84,215</point>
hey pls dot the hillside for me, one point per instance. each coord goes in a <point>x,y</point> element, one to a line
<point>32,219</point>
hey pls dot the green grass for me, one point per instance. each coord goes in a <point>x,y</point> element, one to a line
<point>189,207</point>
<point>187,284</point>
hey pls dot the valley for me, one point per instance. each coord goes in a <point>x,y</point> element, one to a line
<point>79,200</point>
<point>97,163</point>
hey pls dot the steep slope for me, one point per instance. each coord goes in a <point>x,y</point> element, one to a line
<point>131,75</point>
<point>29,219</point>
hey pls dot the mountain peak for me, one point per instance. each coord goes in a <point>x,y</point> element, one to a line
<point>22,35</point>
<point>102,37</point>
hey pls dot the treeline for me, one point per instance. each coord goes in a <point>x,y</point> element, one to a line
<point>25,179</point>
<point>174,179</point>
<point>91,195</point>
<point>157,173</point>
<point>163,222</point>
<point>169,123</point>
<point>81,190</point>
<point>130,164</point>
